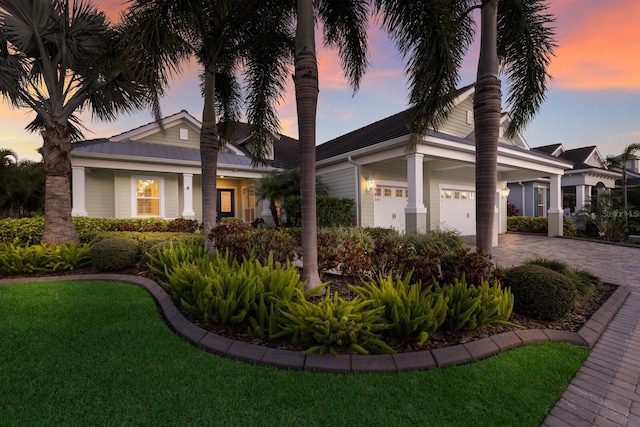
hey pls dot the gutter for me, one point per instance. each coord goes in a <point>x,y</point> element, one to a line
<point>356,176</point>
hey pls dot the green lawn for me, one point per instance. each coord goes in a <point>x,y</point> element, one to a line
<point>98,353</point>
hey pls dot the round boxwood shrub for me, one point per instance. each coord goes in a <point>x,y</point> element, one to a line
<point>114,254</point>
<point>539,292</point>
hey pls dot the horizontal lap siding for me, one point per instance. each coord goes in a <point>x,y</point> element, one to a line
<point>99,193</point>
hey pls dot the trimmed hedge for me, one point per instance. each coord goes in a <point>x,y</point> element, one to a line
<point>539,292</point>
<point>539,224</point>
<point>28,231</point>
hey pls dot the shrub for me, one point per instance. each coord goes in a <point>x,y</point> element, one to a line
<point>539,292</point>
<point>114,254</point>
<point>412,311</point>
<point>334,323</point>
<point>23,231</point>
<point>586,283</point>
<point>242,240</point>
<point>539,224</point>
<point>331,211</point>
<point>126,226</point>
<point>380,232</point>
<point>165,259</point>
<point>476,266</point>
<point>471,306</point>
<point>41,258</point>
<point>182,225</point>
<point>392,256</point>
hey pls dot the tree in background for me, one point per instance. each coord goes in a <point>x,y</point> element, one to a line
<point>226,38</point>
<point>434,36</point>
<point>59,58</point>
<point>620,162</point>
<point>21,186</point>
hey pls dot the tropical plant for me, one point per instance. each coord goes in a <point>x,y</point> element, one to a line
<point>344,25</point>
<point>59,58</point>
<point>225,38</point>
<point>515,36</point>
<point>620,162</point>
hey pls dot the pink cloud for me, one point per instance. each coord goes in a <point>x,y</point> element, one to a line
<point>599,47</point>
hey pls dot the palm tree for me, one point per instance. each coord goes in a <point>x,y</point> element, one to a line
<point>620,162</point>
<point>59,59</point>
<point>226,38</point>
<point>434,37</point>
<point>345,25</point>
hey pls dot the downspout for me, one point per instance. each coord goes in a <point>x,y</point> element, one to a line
<point>357,188</point>
<point>524,209</point>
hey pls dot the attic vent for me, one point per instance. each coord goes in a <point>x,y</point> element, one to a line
<point>469,117</point>
<point>184,134</point>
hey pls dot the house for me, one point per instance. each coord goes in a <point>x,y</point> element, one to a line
<point>586,177</point>
<point>435,185</point>
<point>146,172</point>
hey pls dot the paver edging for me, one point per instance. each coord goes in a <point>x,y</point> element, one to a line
<point>449,356</point>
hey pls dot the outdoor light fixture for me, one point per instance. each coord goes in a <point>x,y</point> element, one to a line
<point>505,192</point>
<point>370,183</point>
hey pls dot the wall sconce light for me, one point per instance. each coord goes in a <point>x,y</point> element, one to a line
<point>505,192</point>
<point>370,183</point>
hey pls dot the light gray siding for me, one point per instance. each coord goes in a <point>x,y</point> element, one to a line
<point>99,193</point>
<point>172,137</point>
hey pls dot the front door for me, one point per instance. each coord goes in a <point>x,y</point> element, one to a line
<point>225,204</point>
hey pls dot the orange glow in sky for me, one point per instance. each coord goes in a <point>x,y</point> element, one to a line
<point>594,97</point>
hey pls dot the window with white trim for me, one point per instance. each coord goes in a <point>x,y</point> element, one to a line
<point>147,197</point>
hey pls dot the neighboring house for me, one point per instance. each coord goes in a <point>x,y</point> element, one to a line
<point>146,172</point>
<point>435,185</point>
<point>586,177</point>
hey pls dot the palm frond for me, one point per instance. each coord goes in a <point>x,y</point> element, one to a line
<point>345,27</point>
<point>433,37</point>
<point>525,48</point>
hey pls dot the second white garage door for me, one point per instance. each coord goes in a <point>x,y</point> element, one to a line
<point>458,209</point>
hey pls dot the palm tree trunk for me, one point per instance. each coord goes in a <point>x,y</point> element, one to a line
<point>209,148</point>
<point>58,223</point>
<point>486,108</point>
<point>306,89</point>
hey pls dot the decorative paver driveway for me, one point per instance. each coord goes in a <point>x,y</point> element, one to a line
<point>613,263</point>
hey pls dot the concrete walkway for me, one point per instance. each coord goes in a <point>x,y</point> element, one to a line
<point>605,391</point>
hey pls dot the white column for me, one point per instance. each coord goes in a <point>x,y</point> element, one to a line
<point>580,197</point>
<point>187,191</point>
<point>416,212</point>
<point>587,194</point>
<point>555,214</point>
<point>78,191</point>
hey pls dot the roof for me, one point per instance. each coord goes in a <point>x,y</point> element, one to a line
<point>383,130</point>
<point>154,151</point>
<point>551,150</point>
<point>579,156</point>
<point>125,144</point>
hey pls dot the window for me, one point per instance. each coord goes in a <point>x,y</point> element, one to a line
<point>541,201</point>
<point>184,134</point>
<point>147,197</point>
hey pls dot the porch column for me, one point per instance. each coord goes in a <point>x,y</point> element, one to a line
<point>78,191</point>
<point>416,212</point>
<point>581,200</point>
<point>555,217</point>
<point>265,212</point>
<point>187,190</point>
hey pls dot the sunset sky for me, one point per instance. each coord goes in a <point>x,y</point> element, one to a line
<point>593,99</point>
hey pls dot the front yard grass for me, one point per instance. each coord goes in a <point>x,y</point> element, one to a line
<point>98,353</point>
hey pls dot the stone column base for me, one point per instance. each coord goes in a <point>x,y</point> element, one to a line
<point>555,223</point>
<point>416,220</point>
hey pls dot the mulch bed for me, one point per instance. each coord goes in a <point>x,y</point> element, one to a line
<point>573,321</point>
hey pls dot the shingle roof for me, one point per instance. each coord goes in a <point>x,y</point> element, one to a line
<point>579,156</point>
<point>547,149</point>
<point>285,149</point>
<point>154,151</point>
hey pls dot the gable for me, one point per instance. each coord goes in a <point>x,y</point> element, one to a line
<point>180,134</point>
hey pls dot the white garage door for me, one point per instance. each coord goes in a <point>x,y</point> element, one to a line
<point>458,209</point>
<point>389,205</point>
